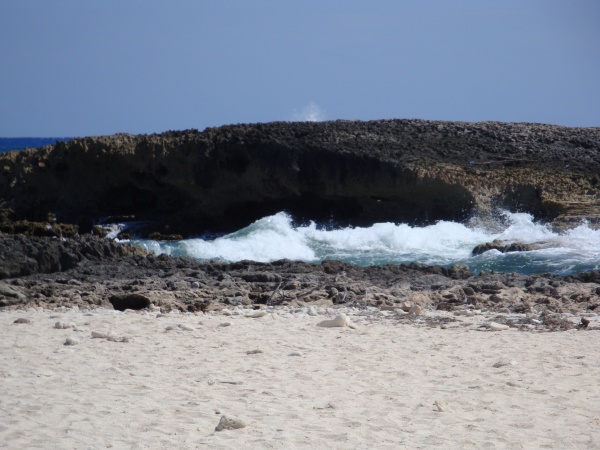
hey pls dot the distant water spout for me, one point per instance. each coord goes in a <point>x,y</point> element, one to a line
<point>310,113</point>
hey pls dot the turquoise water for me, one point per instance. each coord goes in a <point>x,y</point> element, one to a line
<point>445,243</point>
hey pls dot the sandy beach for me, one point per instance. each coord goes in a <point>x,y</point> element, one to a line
<point>146,380</point>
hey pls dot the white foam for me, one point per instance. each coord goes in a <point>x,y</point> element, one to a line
<point>274,237</point>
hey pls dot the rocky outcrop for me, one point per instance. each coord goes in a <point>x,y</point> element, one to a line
<point>28,255</point>
<point>354,172</point>
<point>94,272</point>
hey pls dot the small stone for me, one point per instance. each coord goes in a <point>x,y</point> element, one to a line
<point>254,352</point>
<point>229,423</point>
<point>416,310</point>
<point>72,341</point>
<point>441,407</point>
<point>405,306</point>
<point>22,320</point>
<point>117,339</point>
<point>341,320</point>
<point>583,324</point>
<point>505,362</point>
<point>186,327</point>
<point>225,324</point>
<point>195,285</point>
<point>99,335</point>
<point>62,325</point>
<point>295,354</point>
<point>256,314</point>
<point>498,326</point>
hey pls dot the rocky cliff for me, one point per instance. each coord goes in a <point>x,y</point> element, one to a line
<point>354,172</point>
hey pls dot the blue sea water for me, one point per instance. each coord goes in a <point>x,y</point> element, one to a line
<point>445,243</point>
<point>7,144</point>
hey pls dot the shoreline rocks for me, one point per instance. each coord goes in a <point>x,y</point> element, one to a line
<point>122,277</point>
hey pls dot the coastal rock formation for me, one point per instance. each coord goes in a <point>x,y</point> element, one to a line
<point>358,173</point>
<point>102,273</point>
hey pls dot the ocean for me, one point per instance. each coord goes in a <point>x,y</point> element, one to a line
<point>445,243</point>
<point>7,144</point>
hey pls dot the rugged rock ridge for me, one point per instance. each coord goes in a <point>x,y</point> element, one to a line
<point>355,172</point>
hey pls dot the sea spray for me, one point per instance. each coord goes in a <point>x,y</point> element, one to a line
<point>444,243</point>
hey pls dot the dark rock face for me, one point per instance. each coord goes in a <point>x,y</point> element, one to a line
<point>22,256</point>
<point>354,172</point>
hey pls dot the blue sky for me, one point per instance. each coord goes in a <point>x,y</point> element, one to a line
<point>83,67</point>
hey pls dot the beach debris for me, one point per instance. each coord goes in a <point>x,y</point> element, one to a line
<point>109,337</point>
<point>327,406</point>
<point>441,407</point>
<point>583,324</point>
<point>505,362</point>
<point>99,335</point>
<point>229,423</point>
<point>406,306</point>
<point>341,320</point>
<point>117,338</point>
<point>494,326</point>
<point>416,310</point>
<point>256,314</point>
<point>22,320</point>
<point>254,352</point>
<point>72,340</point>
<point>63,325</point>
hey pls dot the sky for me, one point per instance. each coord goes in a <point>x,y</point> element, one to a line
<point>87,67</point>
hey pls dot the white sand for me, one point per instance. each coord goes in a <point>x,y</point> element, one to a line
<point>311,387</point>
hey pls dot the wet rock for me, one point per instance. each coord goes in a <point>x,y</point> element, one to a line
<point>505,247</point>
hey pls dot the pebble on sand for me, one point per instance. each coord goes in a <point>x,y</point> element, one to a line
<point>72,341</point>
<point>341,320</point>
<point>494,326</point>
<point>416,310</point>
<point>256,314</point>
<point>22,320</point>
<point>229,423</point>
